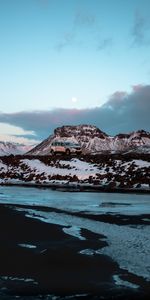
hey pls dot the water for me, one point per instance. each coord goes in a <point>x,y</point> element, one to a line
<point>95,203</point>
<point>127,244</point>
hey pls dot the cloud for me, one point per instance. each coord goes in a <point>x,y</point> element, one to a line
<point>81,20</point>
<point>105,43</point>
<point>67,40</point>
<point>123,112</point>
<point>44,3</point>
<point>85,19</point>
<point>17,134</point>
<point>137,87</point>
<point>10,129</point>
<point>34,121</point>
<point>84,25</point>
<point>140,30</point>
<point>129,111</point>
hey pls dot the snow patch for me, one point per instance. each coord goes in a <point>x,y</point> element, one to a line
<point>27,246</point>
<point>74,231</point>
<point>77,167</point>
<point>90,252</point>
<point>123,242</point>
<point>18,279</point>
<point>125,283</point>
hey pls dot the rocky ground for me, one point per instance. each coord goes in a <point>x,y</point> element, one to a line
<point>110,172</point>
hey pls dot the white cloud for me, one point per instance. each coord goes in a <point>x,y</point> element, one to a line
<point>15,134</point>
<point>7,129</point>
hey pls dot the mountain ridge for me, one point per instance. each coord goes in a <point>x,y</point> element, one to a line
<point>93,140</point>
<point>8,148</point>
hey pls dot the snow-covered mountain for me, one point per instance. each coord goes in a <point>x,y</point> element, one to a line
<point>93,140</point>
<point>138,141</point>
<point>7,148</point>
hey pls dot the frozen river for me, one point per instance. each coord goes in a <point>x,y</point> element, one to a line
<point>122,219</point>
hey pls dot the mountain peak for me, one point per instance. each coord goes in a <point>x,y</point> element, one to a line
<point>76,130</point>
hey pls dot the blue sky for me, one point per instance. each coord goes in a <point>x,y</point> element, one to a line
<point>69,54</point>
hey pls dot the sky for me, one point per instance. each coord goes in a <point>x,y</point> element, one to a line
<point>73,61</point>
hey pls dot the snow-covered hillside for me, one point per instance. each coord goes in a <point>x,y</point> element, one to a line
<point>93,140</point>
<point>123,172</point>
<point>7,148</point>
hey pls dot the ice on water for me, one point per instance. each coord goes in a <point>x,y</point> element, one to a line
<point>128,246</point>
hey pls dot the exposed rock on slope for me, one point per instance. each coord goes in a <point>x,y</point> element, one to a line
<point>132,140</point>
<point>93,140</point>
<point>111,171</point>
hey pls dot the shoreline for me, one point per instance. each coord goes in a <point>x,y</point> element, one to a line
<point>70,187</point>
<point>55,258</point>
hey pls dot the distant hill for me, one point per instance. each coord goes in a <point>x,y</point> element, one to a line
<point>7,148</point>
<point>93,140</point>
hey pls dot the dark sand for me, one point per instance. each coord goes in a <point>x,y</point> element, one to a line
<point>55,265</point>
